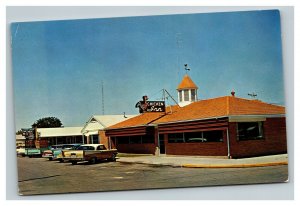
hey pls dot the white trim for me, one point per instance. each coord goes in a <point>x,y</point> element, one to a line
<point>246,119</point>
<point>219,117</point>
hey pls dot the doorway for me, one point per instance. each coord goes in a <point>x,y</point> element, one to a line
<point>162,149</point>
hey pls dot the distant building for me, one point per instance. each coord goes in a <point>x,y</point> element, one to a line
<point>93,130</point>
<point>223,126</point>
<point>20,140</point>
<point>60,135</point>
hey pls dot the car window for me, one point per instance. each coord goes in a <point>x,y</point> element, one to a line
<point>75,146</point>
<point>101,147</point>
<point>67,147</point>
<point>85,148</point>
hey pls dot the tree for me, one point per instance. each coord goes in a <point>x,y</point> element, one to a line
<point>47,122</point>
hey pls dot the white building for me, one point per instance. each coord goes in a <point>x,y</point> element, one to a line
<point>61,135</point>
<point>93,130</point>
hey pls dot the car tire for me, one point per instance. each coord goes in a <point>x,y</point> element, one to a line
<point>50,159</point>
<point>113,158</point>
<point>74,163</point>
<point>93,160</point>
<point>60,160</point>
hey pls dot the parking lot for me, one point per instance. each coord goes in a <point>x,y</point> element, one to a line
<point>41,176</point>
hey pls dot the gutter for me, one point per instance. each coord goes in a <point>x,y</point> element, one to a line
<point>228,145</point>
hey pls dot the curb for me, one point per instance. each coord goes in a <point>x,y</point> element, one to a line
<point>235,165</point>
<point>211,165</point>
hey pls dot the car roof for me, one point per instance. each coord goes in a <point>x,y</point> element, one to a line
<point>91,144</point>
<point>71,144</point>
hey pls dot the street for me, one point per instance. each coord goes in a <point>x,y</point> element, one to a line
<point>41,176</point>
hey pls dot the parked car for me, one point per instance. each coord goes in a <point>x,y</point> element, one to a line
<point>33,152</point>
<point>21,151</point>
<point>91,153</point>
<point>55,150</point>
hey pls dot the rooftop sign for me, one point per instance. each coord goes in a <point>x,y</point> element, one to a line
<point>150,106</point>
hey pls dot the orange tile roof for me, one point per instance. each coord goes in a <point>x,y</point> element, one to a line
<point>222,106</point>
<point>187,83</point>
<point>144,118</point>
<point>209,108</point>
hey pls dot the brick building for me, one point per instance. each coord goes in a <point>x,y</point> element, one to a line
<point>223,126</point>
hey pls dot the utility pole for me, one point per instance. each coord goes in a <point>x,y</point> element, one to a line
<point>102,97</point>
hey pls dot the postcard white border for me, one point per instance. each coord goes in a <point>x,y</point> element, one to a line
<point>264,191</point>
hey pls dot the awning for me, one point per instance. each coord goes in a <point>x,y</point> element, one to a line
<point>130,131</point>
<point>89,133</point>
<point>194,126</point>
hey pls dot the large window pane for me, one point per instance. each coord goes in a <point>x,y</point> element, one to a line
<point>123,140</point>
<point>175,138</point>
<point>249,130</point>
<point>135,139</point>
<point>213,136</point>
<point>193,137</point>
<point>95,139</point>
<point>147,139</point>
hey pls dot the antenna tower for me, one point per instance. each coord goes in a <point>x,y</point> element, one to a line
<point>102,89</point>
<point>178,41</point>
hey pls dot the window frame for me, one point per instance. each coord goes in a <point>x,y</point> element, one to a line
<point>184,138</point>
<point>186,93</point>
<point>193,95</point>
<point>260,128</point>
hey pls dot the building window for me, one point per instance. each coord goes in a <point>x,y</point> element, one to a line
<point>213,136</point>
<point>249,130</point>
<point>135,140</point>
<point>180,95</point>
<point>60,140</point>
<point>175,138</point>
<point>186,95</point>
<point>193,137</point>
<point>147,139</point>
<point>123,140</point>
<point>95,139</point>
<point>193,95</point>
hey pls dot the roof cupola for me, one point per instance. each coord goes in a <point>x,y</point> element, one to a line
<point>187,91</point>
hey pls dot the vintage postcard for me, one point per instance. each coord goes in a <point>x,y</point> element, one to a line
<point>149,102</point>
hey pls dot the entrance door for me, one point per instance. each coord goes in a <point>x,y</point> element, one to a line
<point>162,144</point>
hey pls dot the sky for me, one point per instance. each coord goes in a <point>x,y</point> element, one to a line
<point>59,66</point>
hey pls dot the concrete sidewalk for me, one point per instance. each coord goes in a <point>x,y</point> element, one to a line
<point>204,162</point>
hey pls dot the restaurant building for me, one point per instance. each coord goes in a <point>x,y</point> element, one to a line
<point>226,126</point>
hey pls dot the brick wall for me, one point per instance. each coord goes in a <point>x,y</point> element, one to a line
<point>136,148</point>
<point>274,142</point>
<point>103,138</point>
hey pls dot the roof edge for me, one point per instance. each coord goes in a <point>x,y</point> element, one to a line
<point>219,117</point>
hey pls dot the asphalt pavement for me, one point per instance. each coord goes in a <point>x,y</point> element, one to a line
<point>204,162</point>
